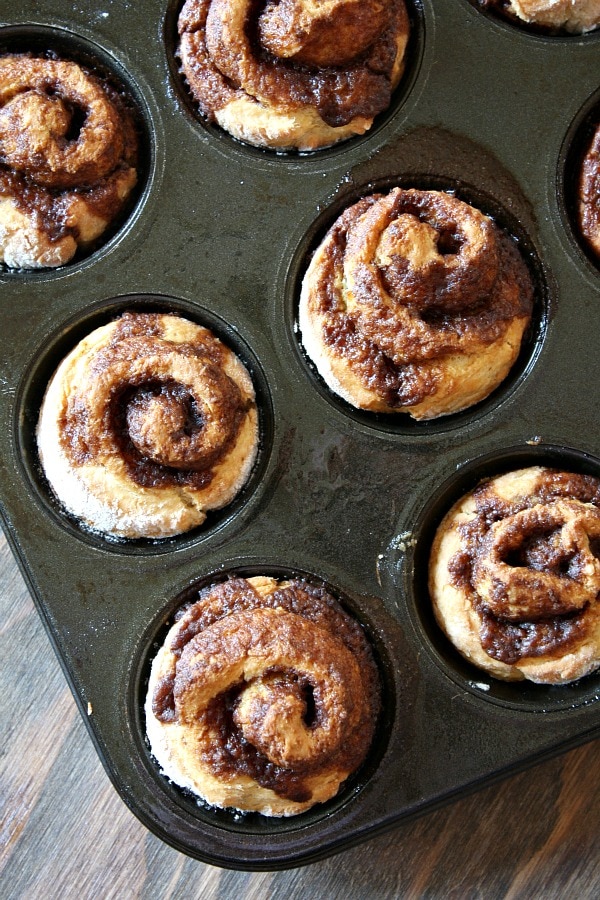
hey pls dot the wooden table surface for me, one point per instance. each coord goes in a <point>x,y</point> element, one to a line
<point>65,832</point>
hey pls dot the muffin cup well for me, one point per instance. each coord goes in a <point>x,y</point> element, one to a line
<point>524,696</point>
<point>35,382</point>
<point>57,43</point>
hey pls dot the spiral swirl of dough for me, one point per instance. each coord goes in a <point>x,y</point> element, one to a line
<point>414,302</point>
<point>515,575</point>
<point>589,195</point>
<point>148,423</point>
<point>68,159</point>
<point>263,697</point>
<point>293,74</point>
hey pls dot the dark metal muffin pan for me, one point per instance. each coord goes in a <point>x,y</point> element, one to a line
<point>221,233</point>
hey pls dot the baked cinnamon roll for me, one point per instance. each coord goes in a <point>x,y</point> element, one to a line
<point>292,74</point>
<point>589,195</point>
<point>68,157</point>
<point>514,575</point>
<point>264,697</point>
<point>146,425</point>
<point>571,16</point>
<point>414,302</point>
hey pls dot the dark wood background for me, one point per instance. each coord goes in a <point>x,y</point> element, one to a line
<point>64,831</point>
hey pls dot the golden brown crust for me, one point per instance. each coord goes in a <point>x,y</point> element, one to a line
<point>146,425</point>
<point>414,302</point>
<point>589,195</point>
<point>263,697</point>
<point>514,575</point>
<point>298,74</point>
<point>69,157</point>
<point>574,16</point>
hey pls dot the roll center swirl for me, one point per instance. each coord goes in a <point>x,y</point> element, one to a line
<point>276,715</point>
<point>183,420</point>
<point>271,711</point>
<point>404,252</point>
<point>57,125</point>
<point>165,423</point>
<point>539,562</point>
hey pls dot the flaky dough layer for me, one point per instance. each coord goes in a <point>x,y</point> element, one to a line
<point>514,576</point>
<point>146,425</point>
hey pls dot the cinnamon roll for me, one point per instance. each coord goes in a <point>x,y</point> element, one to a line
<point>68,158</point>
<point>589,195</point>
<point>264,696</point>
<point>292,74</point>
<point>514,575</point>
<point>146,425</point>
<point>414,302</point>
<point>571,16</point>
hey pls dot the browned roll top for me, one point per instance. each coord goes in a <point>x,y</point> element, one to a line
<point>146,425</point>
<point>320,34</point>
<point>531,566</point>
<point>68,154</point>
<point>404,282</point>
<point>169,410</point>
<point>337,56</point>
<point>589,195</point>
<point>59,126</point>
<point>270,683</point>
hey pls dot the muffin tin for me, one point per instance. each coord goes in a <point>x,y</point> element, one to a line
<point>221,233</point>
